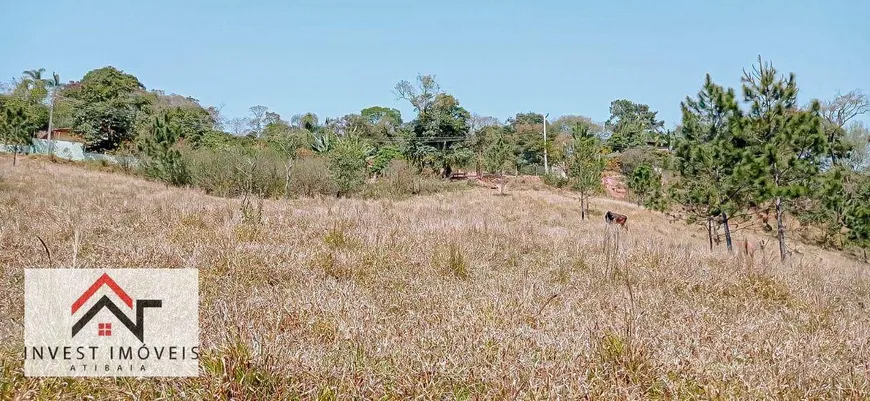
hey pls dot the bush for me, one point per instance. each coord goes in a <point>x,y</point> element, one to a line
<point>631,159</point>
<point>310,176</point>
<point>401,178</point>
<point>347,161</point>
<point>400,181</point>
<point>232,171</point>
<point>555,180</point>
<point>383,159</point>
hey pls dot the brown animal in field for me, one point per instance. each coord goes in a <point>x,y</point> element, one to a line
<point>617,218</point>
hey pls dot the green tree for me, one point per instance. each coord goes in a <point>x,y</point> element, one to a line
<point>161,159</point>
<point>479,142</point>
<point>26,97</point>
<point>498,156</point>
<point>16,130</point>
<point>439,132</point>
<point>379,123</point>
<point>527,136</point>
<point>35,85</point>
<point>306,121</point>
<point>787,143</point>
<point>857,215</point>
<point>382,159</point>
<point>632,125</point>
<point>377,114</point>
<point>584,163</point>
<point>348,163</point>
<point>110,103</point>
<point>709,158</point>
<point>646,183</point>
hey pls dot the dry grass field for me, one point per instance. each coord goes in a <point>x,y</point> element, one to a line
<point>462,295</point>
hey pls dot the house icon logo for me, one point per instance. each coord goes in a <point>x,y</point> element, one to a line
<point>105,322</point>
<point>137,328</point>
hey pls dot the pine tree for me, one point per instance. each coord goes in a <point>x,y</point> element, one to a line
<point>162,160</point>
<point>16,129</point>
<point>584,164</point>
<point>786,143</point>
<point>646,183</point>
<point>708,157</point>
<point>857,215</point>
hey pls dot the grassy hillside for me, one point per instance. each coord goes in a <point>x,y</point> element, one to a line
<point>460,295</point>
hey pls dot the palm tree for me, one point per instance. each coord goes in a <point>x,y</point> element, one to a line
<point>33,76</point>
<point>53,86</point>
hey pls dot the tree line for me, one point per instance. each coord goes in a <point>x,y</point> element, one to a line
<point>731,155</point>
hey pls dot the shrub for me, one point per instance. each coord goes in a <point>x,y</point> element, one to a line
<point>311,176</point>
<point>633,158</point>
<point>555,180</point>
<point>384,158</point>
<point>232,171</point>
<point>347,160</point>
<point>400,180</point>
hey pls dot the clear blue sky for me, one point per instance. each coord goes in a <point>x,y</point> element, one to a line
<point>497,57</point>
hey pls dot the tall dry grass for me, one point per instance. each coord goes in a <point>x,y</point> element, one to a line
<point>459,295</point>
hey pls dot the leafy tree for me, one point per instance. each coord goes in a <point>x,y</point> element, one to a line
<point>420,96</point>
<point>307,121</point>
<point>377,114</point>
<point>480,141</point>
<point>378,123</point>
<point>498,157</point>
<point>110,102</point>
<point>348,163</point>
<point>382,159</point>
<point>16,129</point>
<point>106,84</point>
<point>631,125</point>
<point>105,125</point>
<point>271,118</point>
<point>527,136</point>
<point>584,164</point>
<point>562,131</point>
<point>27,98</point>
<point>441,126</point>
<point>35,85</point>
<point>787,143</point>
<point>355,124</point>
<point>191,123</point>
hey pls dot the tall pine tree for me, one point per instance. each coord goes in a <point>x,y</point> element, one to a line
<point>786,143</point>
<point>584,164</point>
<point>709,157</point>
